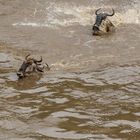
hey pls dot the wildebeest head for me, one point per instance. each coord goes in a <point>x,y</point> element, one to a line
<point>99,18</point>
<point>30,65</point>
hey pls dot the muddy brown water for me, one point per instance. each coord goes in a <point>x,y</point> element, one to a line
<point>92,91</point>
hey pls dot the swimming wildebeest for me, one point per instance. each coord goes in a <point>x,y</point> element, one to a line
<point>100,18</point>
<point>30,65</point>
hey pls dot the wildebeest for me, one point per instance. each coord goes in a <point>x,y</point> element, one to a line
<point>30,65</point>
<point>102,18</point>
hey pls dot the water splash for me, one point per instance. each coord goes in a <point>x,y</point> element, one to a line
<point>61,14</point>
<point>132,16</point>
<point>65,14</point>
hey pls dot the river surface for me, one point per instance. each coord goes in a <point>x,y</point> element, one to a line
<point>92,91</point>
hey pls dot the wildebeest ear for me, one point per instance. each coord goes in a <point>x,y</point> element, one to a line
<point>47,66</point>
<point>26,57</point>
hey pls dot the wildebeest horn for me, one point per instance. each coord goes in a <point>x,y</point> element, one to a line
<point>113,12</point>
<point>96,12</point>
<point>38,61</point>
<point>27,56</point>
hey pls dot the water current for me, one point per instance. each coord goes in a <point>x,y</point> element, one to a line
<point>92,91</point>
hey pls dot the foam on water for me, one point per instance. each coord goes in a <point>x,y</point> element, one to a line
<point>33,24</point>
<point>68,14</point>
<point>131,15</point>
<point>62,15</point>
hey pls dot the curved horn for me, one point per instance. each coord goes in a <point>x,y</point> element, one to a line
<point>38,61</point>
<point>27,56</point>
<point>113,12</point>
<point>96,12</point>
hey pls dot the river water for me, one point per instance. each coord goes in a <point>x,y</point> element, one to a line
<point>92,91</point>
